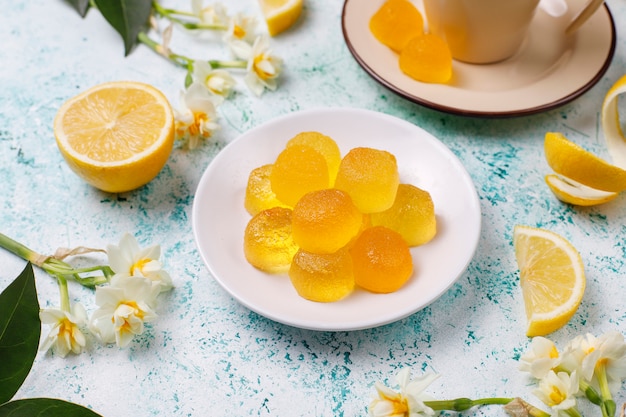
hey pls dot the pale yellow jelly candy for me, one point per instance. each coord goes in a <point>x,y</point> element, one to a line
<point>325,220</point>
<point>371,178</point>
<point>396,23</point>
<point>322,277</point>
<point>324,145</point>
<point>268,242</point>
<point>412,215</point>
<point>381,260</point>
<point>298,169</point>
<point>259,194</point>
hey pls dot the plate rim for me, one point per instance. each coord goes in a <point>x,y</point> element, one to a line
<point>461,111</point>
<point>342,325</point>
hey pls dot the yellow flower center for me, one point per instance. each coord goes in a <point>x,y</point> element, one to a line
<point>257,69</point>
<point>239,32</point>
<point>556,396</point>
<point>199,118</point>
<point>138,266</point>
<point>554,353</point>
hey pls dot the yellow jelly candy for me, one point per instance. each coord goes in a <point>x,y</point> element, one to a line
<point>427,58</point>
<point>298,169</point>
<point>412,215</point>
<point>396,23</point>
<point>259,194</point>
<point>381,260</point>
<point>322,277</point>
<point>268,242</point>
<point>370,176</point>
<point>324,221</point>
<point>324,145</point>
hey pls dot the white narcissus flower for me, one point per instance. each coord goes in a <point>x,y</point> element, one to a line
<point>558,391</point>
<point>65,335</point>
<point>219,82</point>
<point>241,27</point>
<point>608,351</point>
<point>263,67</point>
<point>128,259</point>
<point>196,118</point>
<point>213,15</point>
<point>542,357</point>
<point>409,401</point>
<point>124,307</point>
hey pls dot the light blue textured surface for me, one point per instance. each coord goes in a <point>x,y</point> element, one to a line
<point>206,353</point>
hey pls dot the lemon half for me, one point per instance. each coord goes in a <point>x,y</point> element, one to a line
<point>117,136</point>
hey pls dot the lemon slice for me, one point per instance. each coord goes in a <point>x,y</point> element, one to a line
<point>116,136</point>
<point>613,135</point>
<point>552,278</point>
<point>280,15</point>
<point>572,161</point>
<point>572,192</point>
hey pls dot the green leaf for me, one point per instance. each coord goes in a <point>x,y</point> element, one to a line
<point>44,407</point>
<point>20,329</point>
<point>81,6</point>
<point>128,18</point>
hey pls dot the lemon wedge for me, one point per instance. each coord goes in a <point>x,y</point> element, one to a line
<point>552,278</point>
<point>572,192</point>
<point>280,15</point>
<point>116,136</point>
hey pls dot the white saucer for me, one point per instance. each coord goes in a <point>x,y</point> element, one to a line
<point>549,70</point>
<point>219,219</point>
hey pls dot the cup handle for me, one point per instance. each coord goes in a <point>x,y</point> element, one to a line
<point>582,16</point>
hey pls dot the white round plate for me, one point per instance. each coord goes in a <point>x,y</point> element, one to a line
<point>548,71</point>
<point>219,219</point>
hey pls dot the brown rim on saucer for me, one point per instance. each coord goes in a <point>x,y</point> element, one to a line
<point>391,77</point>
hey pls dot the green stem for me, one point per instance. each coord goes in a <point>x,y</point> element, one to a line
<point>462,404</point>
<point>608,406</point>
<point>228,64</point>
<point>170,14</point>
<point>176,59</point>
<point>64,293</point>
<point>573,412</point>
<point>18,249</point>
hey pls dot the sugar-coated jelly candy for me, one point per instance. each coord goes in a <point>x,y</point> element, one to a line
<point>268,242</point>
<point>298,169</point>
<point>259,195</point>
<point>381,260</point>
<point>412,215</point>
<point>371,178</point>
<point>322,277</point>
<point>396,23</point>
<point>427,58</point>
<point>324,145</point>
<point>325,220</point>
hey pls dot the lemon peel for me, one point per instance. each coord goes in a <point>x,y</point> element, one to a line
<point>572,192</point>
<point>583,178</point>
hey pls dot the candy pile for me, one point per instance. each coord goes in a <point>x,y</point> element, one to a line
<point>335,222</point>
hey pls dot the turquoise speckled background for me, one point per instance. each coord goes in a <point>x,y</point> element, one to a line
<point>206,353</point>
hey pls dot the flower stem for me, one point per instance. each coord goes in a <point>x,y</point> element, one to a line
<point>228,64</point>
<point>462,404</point>
<point>170,14</point>
<point>608,406</point>
<point>20,250</point>
<point>64,293</point>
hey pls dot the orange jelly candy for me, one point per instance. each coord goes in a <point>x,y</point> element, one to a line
<point>322,277</point>
<point>381,260</point>
<point>298,169</point>
<point>324,221</point>
<point>259,194</point>
<point>396,23</point>
<point>412,215</point>
<point>268,242</point>
<point>324,145</point>
<point>371,178</point>
<point>427,58</point>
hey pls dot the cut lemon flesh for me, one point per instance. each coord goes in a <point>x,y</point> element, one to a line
<point>572,192</point>
<point>552,278</point>
<point>117,136</point>
<point>280,15</point>
<point>572,161</point>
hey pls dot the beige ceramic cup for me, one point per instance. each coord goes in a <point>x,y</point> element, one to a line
<point>484,31</point>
